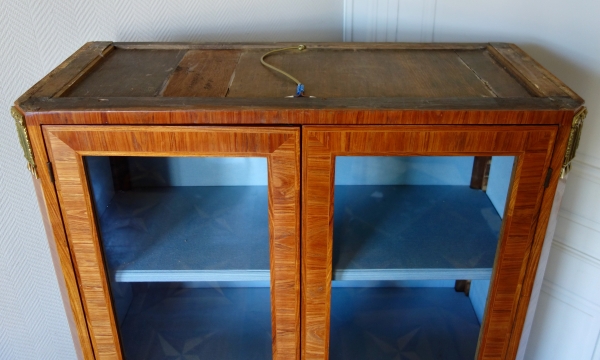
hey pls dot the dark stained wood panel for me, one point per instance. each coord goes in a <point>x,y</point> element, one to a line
<point>408,76</point>
<point>529,72</point>
<point>358,73</point>
<point>302,106</point>
<point>128,73</point>
<point>69,70</point>
<point>277,45</point>
<point>105,76</point>
<point>480,173</point>
<point>495,78</point>
<point>203,73</point>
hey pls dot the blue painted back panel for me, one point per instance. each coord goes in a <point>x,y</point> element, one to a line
<point>198,171</point>
<point>403,170</point>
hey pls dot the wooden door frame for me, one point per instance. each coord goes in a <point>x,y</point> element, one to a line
<point>533,146</point>
<point>68,144</point>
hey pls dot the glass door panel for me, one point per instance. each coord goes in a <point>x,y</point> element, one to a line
<point>185,239</point>
<point>186,247</point>
<point>416,239</point>
<point>414,245</point>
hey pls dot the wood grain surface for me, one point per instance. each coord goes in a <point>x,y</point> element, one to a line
<point>68,70</point>
<point>67,146</point>
<point>355,74</point>
<point>540,232</point>
<point>499,82</point>
<point>523,56</point>
<point>58,236</point>
<point>533,147</point>
<point>202,73</point>
<point>515,114</point>
<point>122,73</point>
<point>529,72</point>
<point>365,76</point>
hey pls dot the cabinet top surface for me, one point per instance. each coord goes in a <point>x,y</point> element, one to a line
<point>104,77</point>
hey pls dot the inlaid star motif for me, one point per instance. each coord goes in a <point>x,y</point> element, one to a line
<point>188,348</point>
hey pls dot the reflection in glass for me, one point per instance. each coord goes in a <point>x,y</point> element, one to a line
<point>408,233</point>
<point>186,244</point>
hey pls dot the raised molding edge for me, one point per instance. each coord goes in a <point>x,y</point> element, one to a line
<point>576,253</point>
<point>127,276</point>
<point>412,274</point>
<point>586,170</point>
<point>555,292</point>
<point>579,220</point>
<point>558,292</point>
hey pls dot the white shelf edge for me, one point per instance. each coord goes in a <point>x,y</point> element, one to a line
<point>264,275</point>
<point>191,275</point>
<point>413,274</point>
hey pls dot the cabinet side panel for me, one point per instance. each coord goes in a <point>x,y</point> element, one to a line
<point>62,247</point>
<point>556,162</point>
<point>80,225</point>
<point>513,254</point>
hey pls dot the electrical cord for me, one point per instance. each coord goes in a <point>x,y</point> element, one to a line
<point>300,86</point>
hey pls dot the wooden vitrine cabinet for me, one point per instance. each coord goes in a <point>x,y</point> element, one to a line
<point>398,208</point>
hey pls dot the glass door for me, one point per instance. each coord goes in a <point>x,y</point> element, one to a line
<point>414,245</point>
<point>185,239</point>
<point>427,233</point>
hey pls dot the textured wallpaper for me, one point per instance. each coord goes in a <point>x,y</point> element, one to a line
<point>35,36</point>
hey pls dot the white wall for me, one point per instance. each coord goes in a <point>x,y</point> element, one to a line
<point>562,36</point>
<point>35,36</point>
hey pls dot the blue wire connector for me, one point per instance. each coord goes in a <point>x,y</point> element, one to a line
<point>299,90</point>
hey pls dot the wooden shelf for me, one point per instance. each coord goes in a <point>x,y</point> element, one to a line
<point>200,233</point>
<point>381,232</point>
<point>402,232</point>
